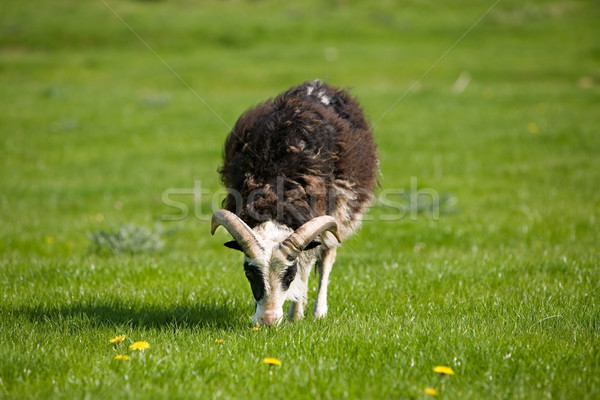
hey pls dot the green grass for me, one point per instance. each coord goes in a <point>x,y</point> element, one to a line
<point>94,129</point>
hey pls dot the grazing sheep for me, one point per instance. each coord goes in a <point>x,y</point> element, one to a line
<point>300,171</point>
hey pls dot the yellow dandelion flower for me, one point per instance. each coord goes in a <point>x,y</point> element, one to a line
<point>443,370</point>
<point>431,391</point>
<point>272,361</point>
<point>533,128</point>
<point>256,328</point>
<point>140,345</point>
<point>117,339</point>
<point>123,357</point>
<point>49,239</point>
<point>219,340</point>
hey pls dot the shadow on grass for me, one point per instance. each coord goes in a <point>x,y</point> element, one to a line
<point>209,315</point>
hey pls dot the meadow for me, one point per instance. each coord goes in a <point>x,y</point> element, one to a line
<point>110,111</point>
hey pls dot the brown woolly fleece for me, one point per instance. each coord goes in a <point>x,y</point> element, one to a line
<point>308,152</point>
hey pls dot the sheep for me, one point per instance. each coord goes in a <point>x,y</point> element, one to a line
<point>300,171</point>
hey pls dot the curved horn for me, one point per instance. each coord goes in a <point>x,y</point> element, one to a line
<point>297,241</point>
<point>239,230</point>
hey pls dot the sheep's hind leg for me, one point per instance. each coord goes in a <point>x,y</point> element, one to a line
<point>324,266</point>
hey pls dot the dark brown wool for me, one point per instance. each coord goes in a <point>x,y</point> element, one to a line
<point>298,156</point>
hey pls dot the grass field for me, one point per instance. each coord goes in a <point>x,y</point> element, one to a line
<point>499,116</point>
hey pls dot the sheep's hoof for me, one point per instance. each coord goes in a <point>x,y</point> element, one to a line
<point>320,312</point>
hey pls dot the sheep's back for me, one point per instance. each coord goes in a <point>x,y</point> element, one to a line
<point>306,153</point>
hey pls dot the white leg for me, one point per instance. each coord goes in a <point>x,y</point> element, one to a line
<point>324,267</point>
<point>296,310</point>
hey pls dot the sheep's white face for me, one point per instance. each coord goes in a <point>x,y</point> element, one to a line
<point>273,283</point>
<point>273,278</point>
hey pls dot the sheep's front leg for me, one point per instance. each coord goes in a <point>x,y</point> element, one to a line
<point>296,310</point>
<point>324,266</point>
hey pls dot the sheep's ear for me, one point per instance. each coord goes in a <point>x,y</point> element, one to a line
<point>312,245</point>
<point>233,245</point>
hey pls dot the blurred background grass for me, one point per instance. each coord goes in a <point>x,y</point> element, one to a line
<point>94,128</point>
